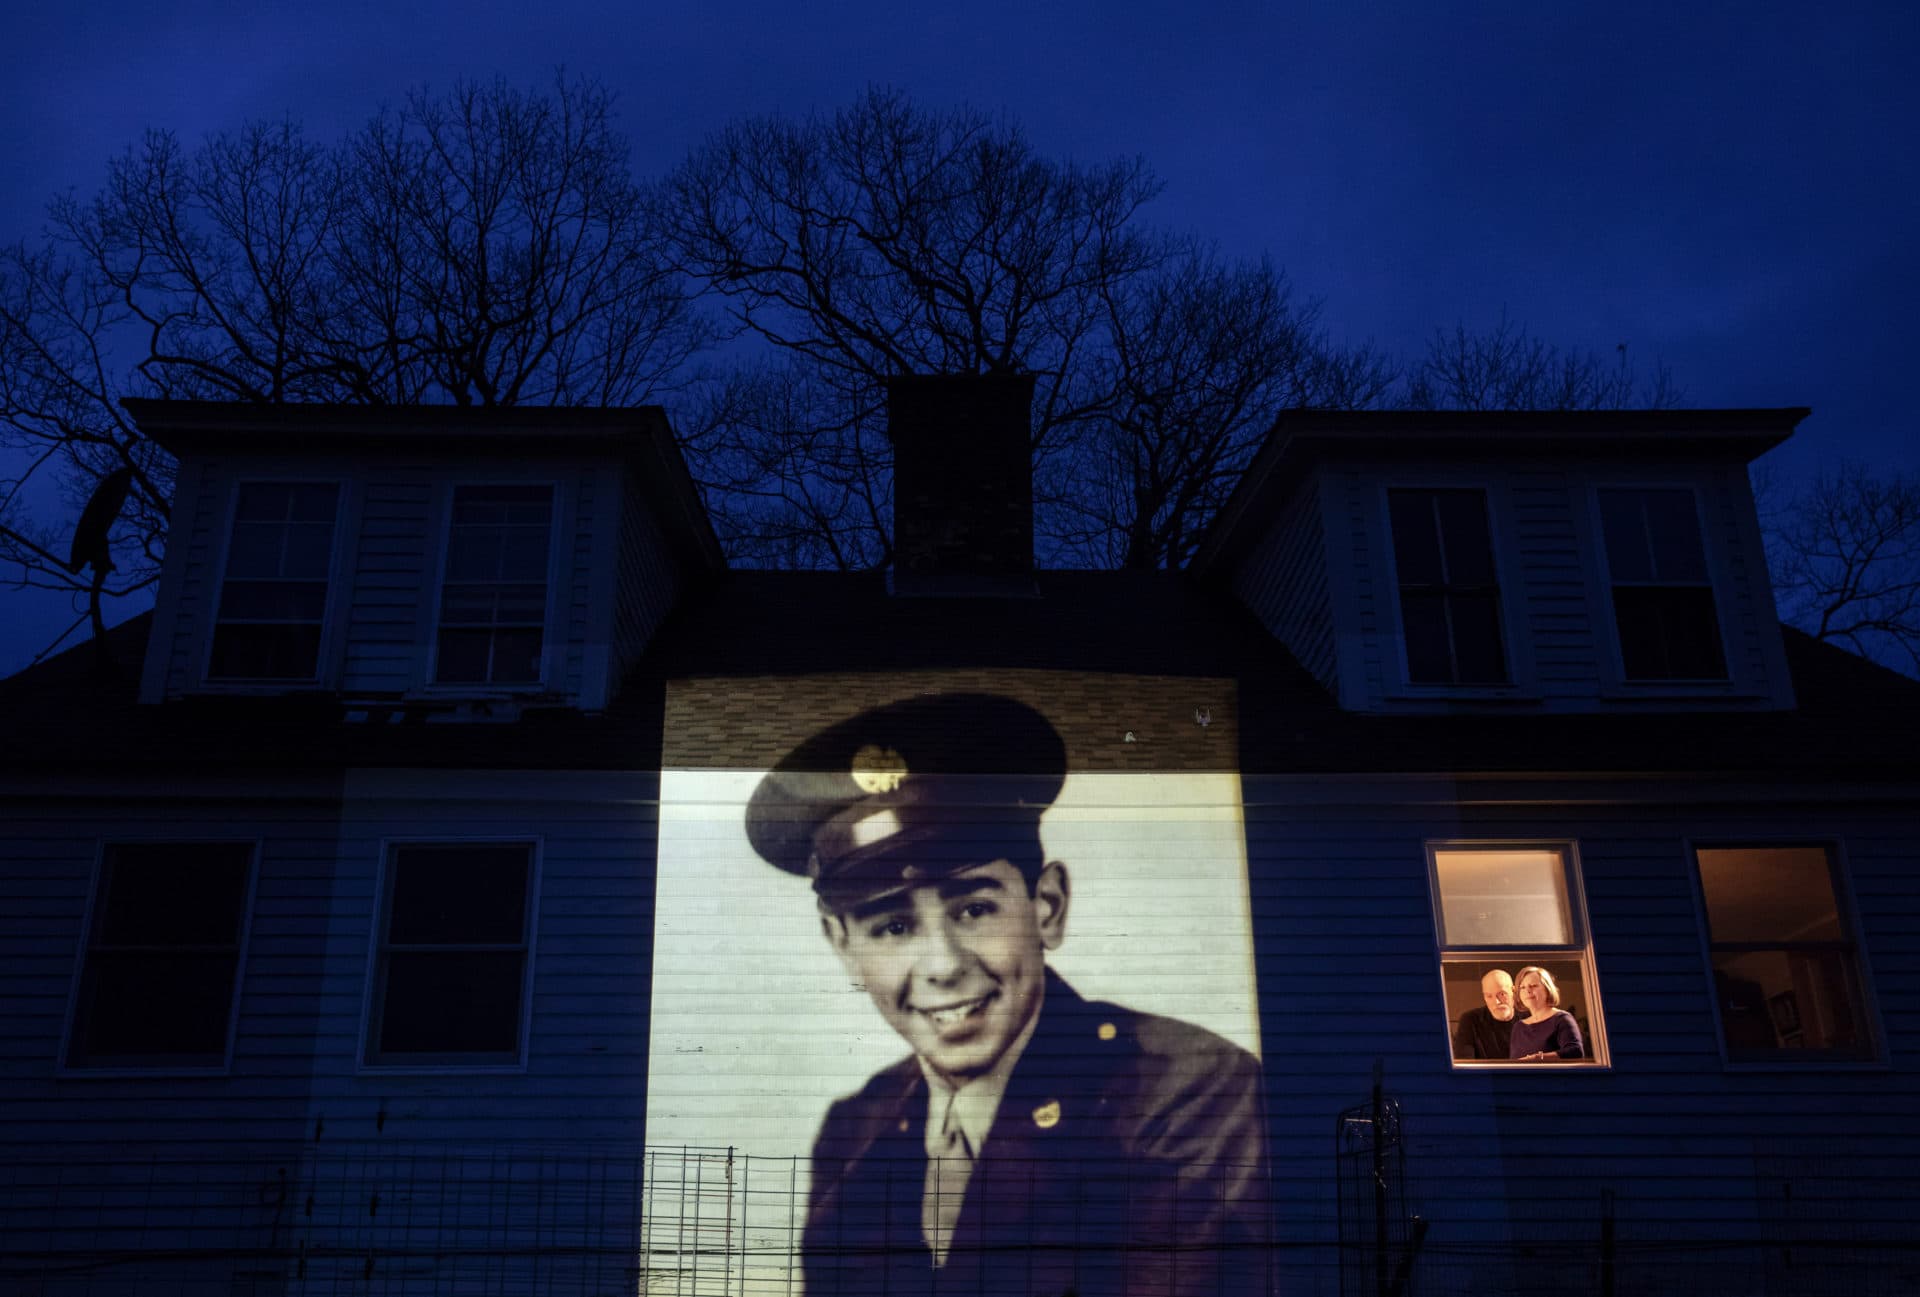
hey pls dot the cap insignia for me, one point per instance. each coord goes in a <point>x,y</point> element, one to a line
<point>877,769</point>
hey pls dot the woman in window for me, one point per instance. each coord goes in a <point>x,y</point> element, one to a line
<point>1548,1032</point>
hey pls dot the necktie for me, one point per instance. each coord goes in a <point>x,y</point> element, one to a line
<point>949,1167</point>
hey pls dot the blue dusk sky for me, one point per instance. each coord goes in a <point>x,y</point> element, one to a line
<point>1732,189</point>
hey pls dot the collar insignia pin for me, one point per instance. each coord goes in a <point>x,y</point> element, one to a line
<point>1047,1115</point>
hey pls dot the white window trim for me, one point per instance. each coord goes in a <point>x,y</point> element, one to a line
<point>1841,874</point>
<point>224,1067</point>
<point>370,979</point>
<point>326,661</point>
<point>1599,1056</point>
<point>1519,686</point>
<point>551,649</point>
<point>1613,661</point>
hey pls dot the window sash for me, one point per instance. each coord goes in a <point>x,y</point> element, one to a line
<point>243,646</point>
<point>491,533</point>
<point>1844,950</point>
<point>1649,631</point>
<point>375,1052</point>
<point>1576,950</point>
<point>108,963</point>
<point>1471,634</point>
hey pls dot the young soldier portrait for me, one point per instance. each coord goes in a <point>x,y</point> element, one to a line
<point>1031,1141</point>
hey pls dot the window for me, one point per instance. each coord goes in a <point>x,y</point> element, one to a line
<point>450,968</point>
<point>1662,597</point>
<point>162,958</point>
<point>1449,597</point>
<point>1511,919</point>
<point>493,602</point>
<point>1786,975</point>
<point>273,601</point>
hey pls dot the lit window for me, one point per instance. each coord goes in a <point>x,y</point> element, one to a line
<point>1449,597</point>
<point>162,957</point>
<point>1785,970</point>
<point>493,602</point>
<point>273,600</point>
<point>1662,596</point>
<point>450,970</point>
<point>1514,959</point>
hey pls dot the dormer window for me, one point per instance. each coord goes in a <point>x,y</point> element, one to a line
<point>273,598</point>
<point>1663,608</point>
<point>493,600</point>
<point>1449,595</point>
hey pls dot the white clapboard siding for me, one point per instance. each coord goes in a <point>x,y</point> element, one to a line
<point>1284,581</point>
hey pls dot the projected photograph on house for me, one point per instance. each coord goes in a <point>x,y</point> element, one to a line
<point>955,979</point>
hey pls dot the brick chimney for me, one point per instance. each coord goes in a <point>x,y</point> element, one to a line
<point>962,483</point>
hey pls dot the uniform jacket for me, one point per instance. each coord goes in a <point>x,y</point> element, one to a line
<point>1128,1157</point>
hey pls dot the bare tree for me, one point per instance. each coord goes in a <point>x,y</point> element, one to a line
<point>1845,554</point>
<point>887,239</point>
<point>484,246</point>
<point>1507,368</point>
<point>1202,354</point>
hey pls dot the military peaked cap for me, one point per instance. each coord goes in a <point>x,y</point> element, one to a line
<point>909,793</point>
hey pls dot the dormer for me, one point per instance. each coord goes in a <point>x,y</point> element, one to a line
<point>429,562</point>
<point>1445,561</point>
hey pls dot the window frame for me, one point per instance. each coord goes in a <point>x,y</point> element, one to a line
<point>1599,1056</point>
<point>374,982</point>
<point>549,640</point>
<point>325,655</point>
<point>1873,1056</point>
<point>1615,654</point>
<point>1519,665</point>
<point>90,913</point>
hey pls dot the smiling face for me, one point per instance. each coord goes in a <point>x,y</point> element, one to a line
<point>957,967</point>
<point>1534,993</point>
<point>1496,988</point>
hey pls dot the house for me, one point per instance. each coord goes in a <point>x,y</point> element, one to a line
<point>379,912</point>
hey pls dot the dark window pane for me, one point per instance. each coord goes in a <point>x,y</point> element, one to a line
<point>255,549</point>
<point>468,605</point>
<point>502,503</point>
<point>1469,547</point>
<point>309,550</point>
<point>1479,657</point>
<point>1424,618</point>
<point>458,895</point>
<point>1626,536</point>
<point>273,601</point>
<point>263,502</point>
<point>314,502</point>
<point>473,554</point>
<point>523,604</point>
<point>1693,634</point>
<point>1416,547</point>
<point>172,894</point>
<point>463,656</point>
<point>523,556</point>
<point>516,656</point>
<point>1668,634</point>
<point>264,652</point>
<point>1673,528</point>
<point>459,1002</point>
<point>157,1005</point>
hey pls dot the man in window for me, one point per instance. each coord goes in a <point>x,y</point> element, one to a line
<point>1033,1141</point>
<point>1487,1032</point>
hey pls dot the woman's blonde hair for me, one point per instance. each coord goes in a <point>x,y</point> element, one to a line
<point>1546,980</point>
